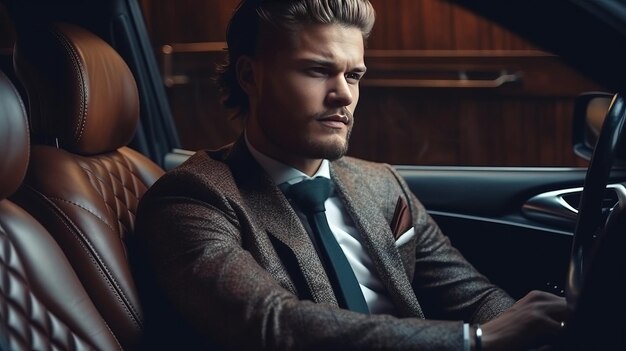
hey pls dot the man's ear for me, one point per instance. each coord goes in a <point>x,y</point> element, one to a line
<point>246,75</point>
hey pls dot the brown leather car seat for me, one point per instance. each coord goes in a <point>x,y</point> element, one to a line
<point>43,305</point>
<point>83,183</point>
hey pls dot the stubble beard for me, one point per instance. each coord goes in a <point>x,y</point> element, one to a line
<point>310,148</point>
<point>327,151</point>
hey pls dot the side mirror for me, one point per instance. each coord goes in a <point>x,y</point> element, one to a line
<point>589,113</point>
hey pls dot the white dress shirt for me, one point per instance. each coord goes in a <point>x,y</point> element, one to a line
<point>342,227</point>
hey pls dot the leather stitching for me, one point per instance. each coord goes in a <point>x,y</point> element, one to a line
<point>92,174</point>
<point>130,191</point>
<point>102,186</point>
<point>95,258</point>
<point>85,209</point>
<point>75,58</point>
<point>127,167</point>
<point>44,328</point>
<point>100,265</point>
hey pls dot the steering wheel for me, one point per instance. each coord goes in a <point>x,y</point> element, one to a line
<point>596,281</point>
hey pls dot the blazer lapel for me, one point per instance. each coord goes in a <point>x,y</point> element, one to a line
<point>379,242</point>
<point>272,213</point>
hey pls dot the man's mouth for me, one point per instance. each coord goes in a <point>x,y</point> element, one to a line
<point>335,121</point>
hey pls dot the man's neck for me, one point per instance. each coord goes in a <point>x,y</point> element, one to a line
<point>283,173</point>
<point>305,165</point>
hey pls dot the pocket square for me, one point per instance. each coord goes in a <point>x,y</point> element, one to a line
<point>401,220</point>
<point>404,238</point>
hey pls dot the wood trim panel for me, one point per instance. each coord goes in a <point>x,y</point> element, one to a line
<point>525,121</point>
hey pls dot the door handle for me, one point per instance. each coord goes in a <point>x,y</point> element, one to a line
<point>560,207</point>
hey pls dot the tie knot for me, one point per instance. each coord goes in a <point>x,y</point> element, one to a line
<point>310,195</point>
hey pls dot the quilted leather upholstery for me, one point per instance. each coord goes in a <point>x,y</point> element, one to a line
<point>43,305</point>
<point>114,177</point>
<point>85,190</point>
<point>89,205</point>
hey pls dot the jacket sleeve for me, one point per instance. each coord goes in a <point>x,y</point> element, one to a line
<point>446,284</point>
<point>195,248</point>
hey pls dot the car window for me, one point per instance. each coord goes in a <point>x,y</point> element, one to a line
<point>444,87</point>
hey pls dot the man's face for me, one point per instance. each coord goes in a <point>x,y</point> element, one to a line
<point>307,87</point>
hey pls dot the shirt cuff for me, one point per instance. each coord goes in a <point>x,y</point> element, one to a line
<point>466,337</point>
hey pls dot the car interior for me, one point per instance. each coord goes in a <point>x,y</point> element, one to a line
<point>83,182</point>
<point>45,306</point>
<point>86,129</point>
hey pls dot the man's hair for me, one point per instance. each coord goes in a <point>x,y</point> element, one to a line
<point>286,16</point>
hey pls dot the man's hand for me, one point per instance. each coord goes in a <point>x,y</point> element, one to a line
<point>533,321</point>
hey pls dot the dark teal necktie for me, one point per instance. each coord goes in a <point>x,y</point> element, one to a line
<point>310,196</point>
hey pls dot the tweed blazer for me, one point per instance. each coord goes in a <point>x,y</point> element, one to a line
<point>234,259</point>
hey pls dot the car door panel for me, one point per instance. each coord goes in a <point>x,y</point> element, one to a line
<point>486,214</point>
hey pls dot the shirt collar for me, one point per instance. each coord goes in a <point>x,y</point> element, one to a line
<point>282,173</point>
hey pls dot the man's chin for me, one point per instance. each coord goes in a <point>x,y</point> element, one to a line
<point>329,151</point>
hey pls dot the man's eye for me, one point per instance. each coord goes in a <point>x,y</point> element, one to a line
<point>317,71</point>
<point>353,77</point>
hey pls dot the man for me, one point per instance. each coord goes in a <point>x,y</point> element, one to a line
<point>247,264</point>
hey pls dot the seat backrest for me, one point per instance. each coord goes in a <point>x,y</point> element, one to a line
<point>43,305</point>
<point>83,183</point>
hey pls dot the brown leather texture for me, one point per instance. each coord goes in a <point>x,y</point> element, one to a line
<point>43,306</point>
<point>81,92</point>
<point>89,206</point>
<point>13,138</point>
<point>85,191</point>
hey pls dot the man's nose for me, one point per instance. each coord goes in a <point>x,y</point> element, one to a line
<point>340,93</point>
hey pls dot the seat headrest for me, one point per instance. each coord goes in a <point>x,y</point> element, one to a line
<point>81,92</point>
<point>14,142</point>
